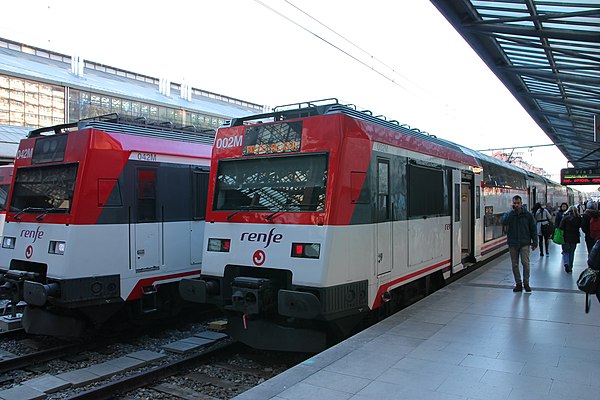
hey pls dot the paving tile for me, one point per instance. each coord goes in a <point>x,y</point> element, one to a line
<point>22,393</point>
<point>336,381</point>
<point>529,384</point>
<point>474,390</point>
<point>47,383</point>
<point>147,355</point>
<point>198,341</point>
<point>495,364</point>
<point>363,364</point>
<point>180,347</point>
<point>304,391</point>
<point>126,363</point>
<point>412,379</point>
<point>104,369</point>
<point>211,335</point>
<point>80,377</point>
<point>417,329</point>
<point>5,355</point>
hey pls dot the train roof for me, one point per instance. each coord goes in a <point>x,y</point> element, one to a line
<point>115,123</point>
<point>332,106</point>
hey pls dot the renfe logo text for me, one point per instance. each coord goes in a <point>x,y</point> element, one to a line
<point>30,233</point>
<point>262,237</point>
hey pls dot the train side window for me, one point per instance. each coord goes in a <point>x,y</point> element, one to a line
<point>146,195</point>
<point>457,202</point>
<point>426,191</point>
<point>477,202</point>
<point>200,192</point>
<point>3,196</point>
<point>383,191</point>
<point>109,193</point>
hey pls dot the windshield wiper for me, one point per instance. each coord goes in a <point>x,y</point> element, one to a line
<point>279,210</point>
<point>44,212</point>
<point>242,208</point>
<point>17,215</point>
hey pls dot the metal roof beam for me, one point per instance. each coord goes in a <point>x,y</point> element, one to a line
<point>551,76</point>
<point>540,17</point>
<point>578,36</point>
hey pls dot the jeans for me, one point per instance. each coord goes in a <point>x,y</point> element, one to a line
<point>568,253</point>
<point>522,252</point>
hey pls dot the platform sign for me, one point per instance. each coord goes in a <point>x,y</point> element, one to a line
<point>597,127</point>
<point>580,176</point>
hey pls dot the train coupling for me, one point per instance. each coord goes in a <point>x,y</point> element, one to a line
<point>11,283</point>
<point>252,295</point>
<point>197,290</point>
<point>37,294</point>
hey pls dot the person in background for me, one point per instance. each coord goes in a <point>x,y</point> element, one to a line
<point>570,224</point>
<point>520,234</point>
<point>581,207</point>
<point>561,211</point>
<point>542,218</point>
<point>590,212</point>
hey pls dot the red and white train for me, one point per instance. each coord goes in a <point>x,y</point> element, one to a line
<point>319,214</point>
<point>5,180</point>
<point>103,217</point>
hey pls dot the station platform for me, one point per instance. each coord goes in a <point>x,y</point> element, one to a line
<point>473,339</point>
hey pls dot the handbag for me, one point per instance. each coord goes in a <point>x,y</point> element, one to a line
<point>559,236</point>
<point>548,229</point>
<point>588,281</point>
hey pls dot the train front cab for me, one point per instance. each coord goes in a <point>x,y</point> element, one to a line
<point>96,224</point>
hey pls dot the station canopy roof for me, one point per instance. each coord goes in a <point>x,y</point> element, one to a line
<point>547,53</point>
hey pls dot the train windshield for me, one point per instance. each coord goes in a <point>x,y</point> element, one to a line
<point>285,183</point>
<point>47,188</point>
<point>4,196</point>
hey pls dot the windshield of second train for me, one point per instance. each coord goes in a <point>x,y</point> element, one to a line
<point>4,189</point>
<point>49,187</point>
<point>285,183</point>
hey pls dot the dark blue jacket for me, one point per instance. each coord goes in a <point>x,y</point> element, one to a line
<point>520,228</point>
<point>594,258</point>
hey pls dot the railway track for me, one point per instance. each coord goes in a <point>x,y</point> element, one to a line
<point>151,376</point>
<point>218,367</point>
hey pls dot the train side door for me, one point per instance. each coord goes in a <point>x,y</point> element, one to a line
<point>478,220</point>
<point>456,228</point>
<point>384,223</point>
<point>147,248</point>
<point>197,222</point>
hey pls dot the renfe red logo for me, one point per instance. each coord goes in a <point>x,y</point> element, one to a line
<point>29,251</point>
<point>259,258</point>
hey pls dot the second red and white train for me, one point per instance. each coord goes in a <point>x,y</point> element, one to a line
<point>320,214</point>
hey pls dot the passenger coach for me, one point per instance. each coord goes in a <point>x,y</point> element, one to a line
<point>320,213</point>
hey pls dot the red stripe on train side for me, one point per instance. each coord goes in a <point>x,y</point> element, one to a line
<point>137,291</point>
<point>384,288</point>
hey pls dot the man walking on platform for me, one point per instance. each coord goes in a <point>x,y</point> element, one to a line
<point>521,233</point>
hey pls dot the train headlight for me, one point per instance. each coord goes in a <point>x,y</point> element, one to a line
<point>219,245</point>
<point>306,250</point>
<point>8,242</point>
<point>57,247</point>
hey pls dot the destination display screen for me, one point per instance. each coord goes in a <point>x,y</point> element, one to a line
<point>580,176</point>
<point>282,137</point>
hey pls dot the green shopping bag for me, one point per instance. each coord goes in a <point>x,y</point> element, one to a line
<point>559,236</point>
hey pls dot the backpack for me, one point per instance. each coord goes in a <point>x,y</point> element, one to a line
<point>595,227</point>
